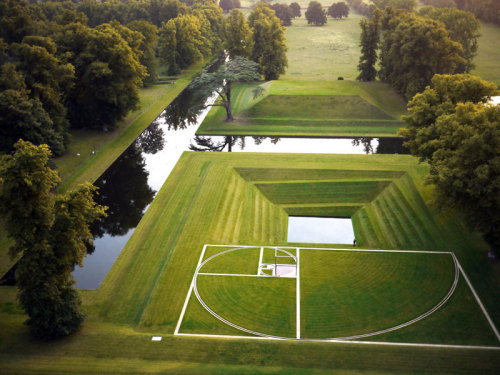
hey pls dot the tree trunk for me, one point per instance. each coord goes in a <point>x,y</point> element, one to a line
<point>229,110</point>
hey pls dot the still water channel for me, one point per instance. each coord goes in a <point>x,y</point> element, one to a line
<point>130,184</point>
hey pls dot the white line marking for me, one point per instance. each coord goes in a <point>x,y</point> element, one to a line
<point>176,332</point>
<point>230,274</point>
<point>492,325</point>
<point>298,292</point>
<point>348,342</point>
<point>260,260</point>
<point>340,249</point>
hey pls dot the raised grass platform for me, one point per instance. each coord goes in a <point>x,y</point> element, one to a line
<point>305,108</point>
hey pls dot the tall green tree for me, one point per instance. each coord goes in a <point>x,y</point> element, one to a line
<point>108,75</point>
<point>148,47</point>
<point>239,40</point>
<point>182,42</point>
<point>51,232</point>
<point>451,126</point>
<point>338,10</point>
<point>465,168</point>
<point>440,98</point>
<point>462,27</point>
<point>370,38</point>
<point>213,23</point>
<point>413,50</point>
<point>315,14</point>
<point>22,116</point>
<point>269,49</point>
<point>221,81</point>
<point>48,78</point>
<point>284,13</point>
<point>295,7</point>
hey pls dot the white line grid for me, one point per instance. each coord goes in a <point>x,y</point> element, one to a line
<point>351,339</point>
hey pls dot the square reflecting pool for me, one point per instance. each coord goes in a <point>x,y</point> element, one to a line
<point>320,230</point>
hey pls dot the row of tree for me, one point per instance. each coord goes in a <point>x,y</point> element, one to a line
<point>315,14</point>
<point>486,10</point>
<point>261,40</point>
<point>411,48</point>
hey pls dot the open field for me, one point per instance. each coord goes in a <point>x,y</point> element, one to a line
<point>310,108</point>
<point>488,57</point>
<point>214,198</point>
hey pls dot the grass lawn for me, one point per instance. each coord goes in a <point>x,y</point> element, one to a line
<point>310,108</point>
<point>488,56</point>
<point>208,199</point>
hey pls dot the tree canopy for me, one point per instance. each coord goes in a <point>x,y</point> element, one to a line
<point>269,49</point>
<point>315,14</point>
<point>51,232</point>
<point>451,126</point>
<point>338,10</point>
<point>295,8</point>
<point>284,13</point>
<point>238,40</point>
<point>237,70</point>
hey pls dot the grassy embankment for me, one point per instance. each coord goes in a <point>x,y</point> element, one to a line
<point>219,198</point>
<point>98,150</point>
<point>308,100</point>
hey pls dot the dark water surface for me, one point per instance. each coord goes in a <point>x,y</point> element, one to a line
<point>130,184</point>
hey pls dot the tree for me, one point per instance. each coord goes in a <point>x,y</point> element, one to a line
<point>413,50</point>
<point>369,44</point>
<point>284,13</point>
<point>237,70</point>
<point>269,49</point>
<point>338,10</point>
<point>182,42</point>
<point>295,7</point>
<point>408,5</point>
<point>212,21</point>
<point>22,116</point>
<point>108,75</point>
<point>465,168</point>
<point>51,232</point>
<point>438,99</point>
<point>226,5</point>
<point>147,47</point>
<point>315,14</point>
<point>239,40</point>
<point>462,27</point>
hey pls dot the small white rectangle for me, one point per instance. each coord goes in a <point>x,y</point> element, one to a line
<point>156,338</point>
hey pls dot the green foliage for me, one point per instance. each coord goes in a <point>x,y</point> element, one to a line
<point>295,7</point>
<point>315,14</point>
<point>16,20</point>
<point>408,5</point>
<point>183,41</point>
<point>338,10</point>
<point>269,49</point>
<point>452,128</point>
<point>51,232</point>
<point>440,98</point>
<point>22,116</point>
<point>108,74</point>
<point>465,168</point>
<point>147,47</point>
<point>238,41</point>
<point>214,30</point>
<point>370,39</point>
<point>413,50</point>
<point>462,27</point>
<point>284,13</point>
<point>238,69</point>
